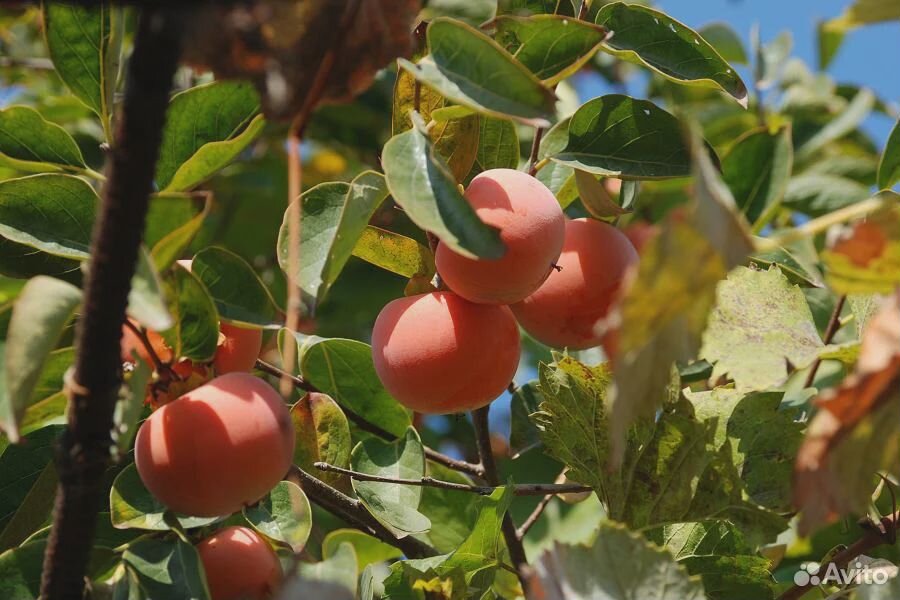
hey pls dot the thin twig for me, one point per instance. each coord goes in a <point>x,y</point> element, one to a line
<point>535,150</point>
<point>834,323</point>
<point>366,425</point>
<point>513,543</point>
<point>583,9</point>
<point>522,489</point>
<point>158,364</point>
<point>84,451</point>
<point>522,531</point>
<point>354,513</point>
<point>875,536</point>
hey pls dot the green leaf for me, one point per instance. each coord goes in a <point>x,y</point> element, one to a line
<point>395,253</point>
<point>469,68</point>
<point>167,569</point>
<point>27,485</point>
<point>865,12</point>
<point>829,41</point>
<point>196,331</point>
<point>453,511</point>
<point>23,262</point>
<point>235,287</point>
<point>889,167</point>
<point>52,213</point>
<point>322,434</point>
<point>750,342</point>
<point>206,127</point>
<point>757,169</point>
<point>455,136</point>
<point>146,298</point>
<point>726,42</point>
<point>339,568</point>
<point>498,145</point>
<point>791,267</point>
<point>20,571</point>
<point>177,231</point>
<point>129,406</point>
<point>817,194</point>
<point>30,143</point>
<point>651,38</point>
<point>40,314</point>
<point>523,434</point>
<point>552,47</point>
<point>368,549</point>
<point>132,506</point>
<point>85,45</point>
<point>594,197</point>
<point>392,504</point>
<point>529,7</point>
<point>333,217</point>
<point>845,122</point>
<point>716,552</point>
<point>343,369</point>
<point>420,182</point>
<point>619,565</point>
<point>622,137</point>
<point>283,514</point>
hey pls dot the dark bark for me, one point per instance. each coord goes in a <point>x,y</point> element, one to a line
<point>84,450</point>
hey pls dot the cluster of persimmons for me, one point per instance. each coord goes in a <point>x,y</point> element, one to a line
<point>446,351</point>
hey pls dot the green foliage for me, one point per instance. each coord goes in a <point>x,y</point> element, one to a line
<point>158,568</point>
<point>236,289</point>
<point>30,143</point>
<point>757,170</point>
<point>196,331</point>
<point>283,514</point>
<point>322,435</point>
<point>132,506</point>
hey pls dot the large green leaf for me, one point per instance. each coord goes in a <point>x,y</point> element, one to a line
<point>816,194</point>
<point>368,549</point>
<point>40,315</point>
<point>30,143</point>
<point>284,514</point>
<point>537,7</point>
<point>196,331</point>
<point>20,571</point>
<point>172,224</point>
<point>452,511</point>
<point>333,217</point>
<point>85,45</point>
<point>726,42</point>
<point>420,182</point>
<point>619,565</point>
<point>206,127</point>
<point>235,287</point>
<point>165,569</point>
<point>392,504</point>
<point>551,46</point>
<point>866,12</point>
<point>322,434</point>
<point>339,569</point>
<point>498,145</point>
<point>471,69</point>
<point>889,167</point>
<point>395,253</point>
<point>627,138</point>
<point>23,262</point>
<point>749,341</point>
<point>523,434</point>
<point>651,38</point>
<point>757,169</point>
<point>343,369</point>
<point>52,213</point>
<point>147,302</point>
<point>132,506</point>
<point>842,124</point>
<point>716,551</point>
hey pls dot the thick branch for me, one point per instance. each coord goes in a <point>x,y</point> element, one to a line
<point>883,533</point>
<point>368,426</point>
<point>84,450</point>
<point>522,489</point>
<point>513,543</point>
<point>355,514</point>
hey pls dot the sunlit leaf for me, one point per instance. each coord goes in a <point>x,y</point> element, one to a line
<point>196,331</point>
<point>236,289</point>
<point>322,434</point>
<point>395,253</point>
<point>166,569</point>
<point>284,514</point>
<point>889,167</point>
<point>30,143</point>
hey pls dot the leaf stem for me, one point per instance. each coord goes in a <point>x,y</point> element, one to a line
<point>524,489</point>
<point>535,515</point>
<point>834,323</point>
<point>513,543</point>
<point>366,425</point>
<point>820,224</point>
<point>533,164</point>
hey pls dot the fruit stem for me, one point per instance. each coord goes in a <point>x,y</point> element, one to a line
<point>84,450</point>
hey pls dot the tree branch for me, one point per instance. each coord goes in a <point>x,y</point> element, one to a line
<point>834,323</point>
<point>522,531</point>
<point>354,513</point>
<point>367,426</point>
<point>83,453</point>
<point>483,441</point>
<point>884,532</point>
<point>535,149</point>
<point>522,489</point>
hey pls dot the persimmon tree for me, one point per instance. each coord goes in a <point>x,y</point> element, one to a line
<point>354,299</point>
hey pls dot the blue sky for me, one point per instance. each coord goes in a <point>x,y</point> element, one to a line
<point>868,56</point>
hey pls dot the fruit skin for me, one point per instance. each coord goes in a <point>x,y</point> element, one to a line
<point>565,310</point>
<point>532,226</point>
<point>217,448</point>
<point>130,341</point>
<point>239,565</point>
<point>238,350</point>
<point>438,353</point>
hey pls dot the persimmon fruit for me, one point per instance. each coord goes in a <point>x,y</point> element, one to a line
<point>238,349</point>
<point>439,353</point>
<point>239,565</point>
<point>564,311</point>
<point>217,448</point>
<point>532,227</point>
